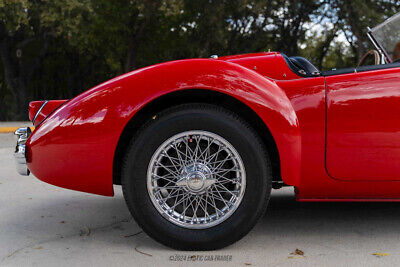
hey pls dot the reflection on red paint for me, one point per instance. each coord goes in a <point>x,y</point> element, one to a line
<point>353,119</point>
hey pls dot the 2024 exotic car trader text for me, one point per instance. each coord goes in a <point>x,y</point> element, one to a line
<point>198,144</point>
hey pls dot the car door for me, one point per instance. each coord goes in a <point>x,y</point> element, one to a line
<point>363,125</point>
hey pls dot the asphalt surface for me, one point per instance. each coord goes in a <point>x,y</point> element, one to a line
<point>44,225</point>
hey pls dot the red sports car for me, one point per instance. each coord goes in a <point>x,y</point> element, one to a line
<point>198,144</point>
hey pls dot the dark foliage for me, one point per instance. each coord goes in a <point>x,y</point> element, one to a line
<point>57,49</point>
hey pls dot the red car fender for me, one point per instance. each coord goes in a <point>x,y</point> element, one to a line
<point>74,147</point>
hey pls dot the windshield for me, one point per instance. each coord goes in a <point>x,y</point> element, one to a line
<point>387,35</point>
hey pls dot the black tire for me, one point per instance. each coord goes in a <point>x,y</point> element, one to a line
<point>197,117</point>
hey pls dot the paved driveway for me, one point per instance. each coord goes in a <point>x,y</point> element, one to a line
<point>48,226</point>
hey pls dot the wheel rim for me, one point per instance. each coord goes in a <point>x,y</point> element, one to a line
<point>196,179</point>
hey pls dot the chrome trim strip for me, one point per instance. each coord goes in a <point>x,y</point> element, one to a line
<point>378,47</point>
<point>20,152</point>
<point>38,112</point>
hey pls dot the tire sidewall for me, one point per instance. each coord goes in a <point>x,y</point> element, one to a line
<point>205,118</point>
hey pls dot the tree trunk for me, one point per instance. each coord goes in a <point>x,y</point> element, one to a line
<point>131,56</point>
<point>16,82</point>
<point>150,14</point>
<point>323,49</point>
<point>354,19</point>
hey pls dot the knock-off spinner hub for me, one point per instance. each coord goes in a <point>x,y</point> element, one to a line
<point>195,181</point>
<point>197,178</point>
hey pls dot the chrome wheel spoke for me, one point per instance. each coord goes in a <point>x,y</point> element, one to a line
<point>223,189</point>
<point>196,179</point>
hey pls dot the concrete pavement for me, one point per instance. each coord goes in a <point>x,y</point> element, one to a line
<point>48,226</point>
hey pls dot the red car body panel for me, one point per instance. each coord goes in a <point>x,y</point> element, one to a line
<point>74,146</point>
<point>363,127</point>
<point>41,109</point>
<point>262,62</point>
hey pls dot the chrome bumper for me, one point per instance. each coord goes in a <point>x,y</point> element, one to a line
<point>20,154</point>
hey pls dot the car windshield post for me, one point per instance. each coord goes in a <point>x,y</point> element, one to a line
<point>384,56</point>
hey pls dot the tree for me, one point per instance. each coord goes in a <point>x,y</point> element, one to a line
<point>130,33</point>
<point>354,17</point>
<point>53,49</point>
<point>18,29</point>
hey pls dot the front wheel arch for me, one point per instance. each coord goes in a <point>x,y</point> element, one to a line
<point>196,96</point>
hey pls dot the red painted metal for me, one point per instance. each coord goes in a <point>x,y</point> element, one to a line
<point>35,106</point>
<point>271,65</point>
<point>363,137</point>
<point>74,146</point>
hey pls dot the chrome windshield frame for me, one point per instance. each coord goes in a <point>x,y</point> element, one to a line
<point>383,45</point>
<point>384,56</point>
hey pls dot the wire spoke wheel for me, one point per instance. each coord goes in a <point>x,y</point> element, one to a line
<point>196,179</point>
<point>186,177</point>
